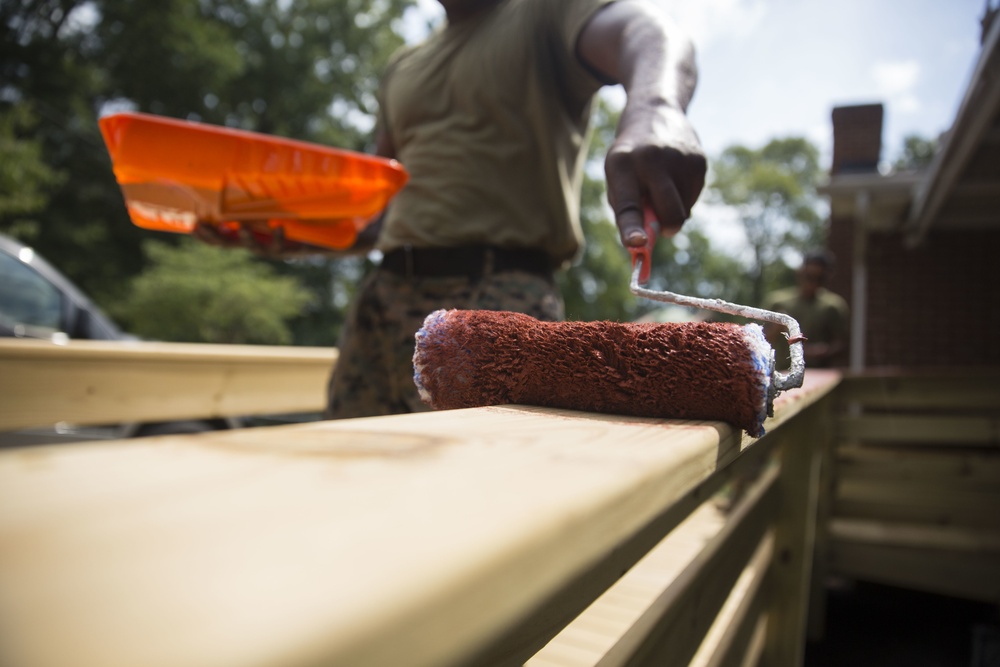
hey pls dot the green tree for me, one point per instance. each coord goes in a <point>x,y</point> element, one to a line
<point>773,191</point>
<point>197,293</point>
<point>917,153</point>
<point>24,175</point>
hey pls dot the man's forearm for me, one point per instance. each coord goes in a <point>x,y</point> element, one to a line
<point>651,57</point>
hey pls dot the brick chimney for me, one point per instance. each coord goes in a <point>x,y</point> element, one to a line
<point>857,138</point>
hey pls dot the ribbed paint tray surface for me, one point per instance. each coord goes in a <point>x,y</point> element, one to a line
<point>175,174</point>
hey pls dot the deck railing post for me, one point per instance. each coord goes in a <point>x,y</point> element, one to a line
<point>800,443</point>
<point>826,443</point>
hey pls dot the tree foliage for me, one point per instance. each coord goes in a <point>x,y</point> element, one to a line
<point>773,192</point>
<point>196,293</point>
<point>305,69</point>
<point>917,153</point>
<point>24,175</point>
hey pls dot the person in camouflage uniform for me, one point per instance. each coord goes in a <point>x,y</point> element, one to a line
<point>489,116</point>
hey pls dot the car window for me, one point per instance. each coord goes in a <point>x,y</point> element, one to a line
<point>26,298</point>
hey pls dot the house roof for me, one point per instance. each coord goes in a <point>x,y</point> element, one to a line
<point>961,187</point>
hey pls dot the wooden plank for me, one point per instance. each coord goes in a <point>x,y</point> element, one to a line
<point>738,457</point>
<point>937,498</point>
<point>612,614</point>
<point>963,391</point>
<point>824,510</point>
<point>670,631</point>
<point>730,642</point>
<point>918,483</point>
<point>95,382</point>
<point>967,468</point>
<point>946,572</point>
<point>982,518</point>
<point>800,453</point>
<point>922,429</point>
<point>917,536</point>
<point>915,501</point>
<point>315,543</point>
<point>755,648</point>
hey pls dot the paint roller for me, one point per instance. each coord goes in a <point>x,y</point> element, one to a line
<point>694,370</point>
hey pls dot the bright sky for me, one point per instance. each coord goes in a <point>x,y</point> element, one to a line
<point>771,68</point>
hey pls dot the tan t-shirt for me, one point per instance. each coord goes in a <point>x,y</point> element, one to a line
<point>490,119</point>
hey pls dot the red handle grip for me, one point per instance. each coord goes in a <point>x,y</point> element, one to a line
<point>646,252</point>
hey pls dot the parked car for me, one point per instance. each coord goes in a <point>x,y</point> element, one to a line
<point>37,301</point>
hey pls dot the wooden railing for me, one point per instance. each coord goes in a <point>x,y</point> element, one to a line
<point>503,535</point>
<point>915,483</point>
<point>497,536</point>
<point>97,382</point>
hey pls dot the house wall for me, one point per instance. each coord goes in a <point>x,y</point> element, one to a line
<point>937,304</point>
<point>934,305</point>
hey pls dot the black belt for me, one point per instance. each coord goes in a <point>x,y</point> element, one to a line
<point>471,261</point>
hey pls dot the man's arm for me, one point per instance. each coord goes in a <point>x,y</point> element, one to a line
<point>656,159</point>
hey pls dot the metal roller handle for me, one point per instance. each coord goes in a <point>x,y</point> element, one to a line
<point>781,381</point>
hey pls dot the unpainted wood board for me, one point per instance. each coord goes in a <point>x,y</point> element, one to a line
<point>730,637</point>
<point>958,390</point>
<point>973,517</point>
<point>610,616</point>
<point>917,493</point>
<point>917,536</point>
<point>309,543</point>
<point>945,572</point>
<point>910,429</point>
<point>95,382</point>
<point>795,532</point>
<point>312,544</point>
<point>676,624</point>
<point>965,467</point>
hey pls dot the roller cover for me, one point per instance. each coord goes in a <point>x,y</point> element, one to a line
<point>705,371</point>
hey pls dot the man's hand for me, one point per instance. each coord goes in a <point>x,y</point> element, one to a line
<point>656,162</point>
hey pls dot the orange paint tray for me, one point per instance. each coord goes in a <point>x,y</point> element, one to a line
<point>175,174</point>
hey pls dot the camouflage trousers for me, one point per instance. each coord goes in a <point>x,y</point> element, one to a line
<point>374,372</point>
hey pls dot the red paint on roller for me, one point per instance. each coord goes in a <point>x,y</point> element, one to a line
<point>708,371</point>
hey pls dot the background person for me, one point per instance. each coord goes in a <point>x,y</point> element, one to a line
<point>822,315</point>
